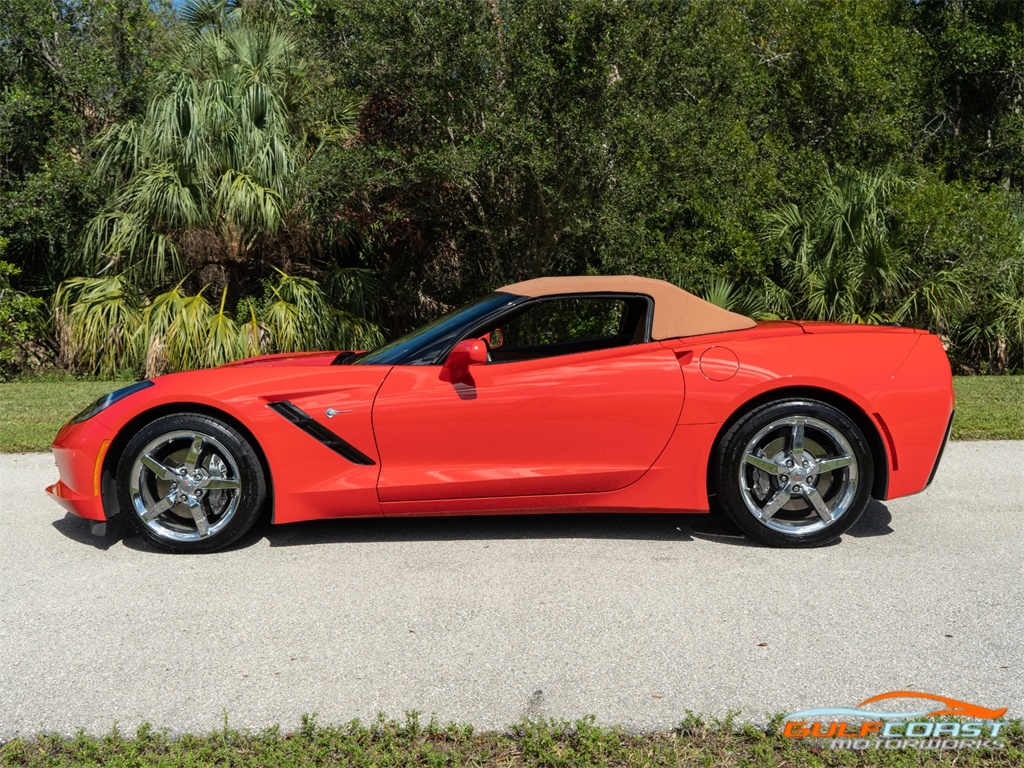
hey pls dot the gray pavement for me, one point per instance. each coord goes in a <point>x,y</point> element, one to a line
<point>634,619</point>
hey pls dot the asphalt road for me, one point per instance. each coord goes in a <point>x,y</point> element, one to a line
<point>634,619</point>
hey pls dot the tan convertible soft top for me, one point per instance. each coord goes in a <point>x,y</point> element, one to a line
<point>676,312</point>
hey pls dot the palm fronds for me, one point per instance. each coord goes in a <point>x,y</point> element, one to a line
<point>253,333</point>
<point>106,330</point>
<point>996,326</point>
<point>223,340</point>
<point>187,334</point>
<point>96,320</point>
<point>358,290</point>
<point>218,148</point>
<point>728,295</point>
<point>840,261</point>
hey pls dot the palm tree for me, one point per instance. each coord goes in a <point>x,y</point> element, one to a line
<point>841,259</point>
<point>208,175</point>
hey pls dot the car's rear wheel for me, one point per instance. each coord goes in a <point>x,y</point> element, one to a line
<point>793,473</point>
<point>190,483</point>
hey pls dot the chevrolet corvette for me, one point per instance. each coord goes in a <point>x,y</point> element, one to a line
<point>559,394</point>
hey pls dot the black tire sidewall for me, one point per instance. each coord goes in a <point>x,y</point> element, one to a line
<point>253,482</point>
<point>729,457</point>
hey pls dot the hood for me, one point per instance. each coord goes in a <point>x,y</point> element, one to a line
<point>287,358</point>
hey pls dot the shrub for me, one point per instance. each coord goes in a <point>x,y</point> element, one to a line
<point>106,328</point>
<point>21,325</point>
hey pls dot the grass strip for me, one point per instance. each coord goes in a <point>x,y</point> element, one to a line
<point>989,408</point>
<point>544,744</point>
<point>33,410</point>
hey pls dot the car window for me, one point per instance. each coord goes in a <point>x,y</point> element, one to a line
<point>559,320</point>
<point>429,344</point>
<point>561,326</point>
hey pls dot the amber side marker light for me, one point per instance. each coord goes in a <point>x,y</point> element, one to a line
<point>99,467</point>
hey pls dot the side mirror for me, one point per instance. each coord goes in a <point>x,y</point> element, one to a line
<point>495,338</point>
<point>464,354</point>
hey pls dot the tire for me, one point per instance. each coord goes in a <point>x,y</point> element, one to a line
<point>190,483</point>
<point>793,473</point>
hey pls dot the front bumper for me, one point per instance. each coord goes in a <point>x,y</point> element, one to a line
<point>79,451</point>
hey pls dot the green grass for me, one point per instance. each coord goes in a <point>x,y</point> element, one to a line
<point>987,408</point>
<point>551,744</point>
<point>34,409</point>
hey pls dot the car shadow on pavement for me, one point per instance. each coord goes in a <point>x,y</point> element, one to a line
<point>624,526</point>
<point>652,527</point>
<point>633,526</point>
<point>874,522</point>
<point>77,529</point>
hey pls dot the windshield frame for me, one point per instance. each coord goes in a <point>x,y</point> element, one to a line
<point>430,344</point>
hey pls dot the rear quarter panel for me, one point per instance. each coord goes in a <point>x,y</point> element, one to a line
<point>898,378</point>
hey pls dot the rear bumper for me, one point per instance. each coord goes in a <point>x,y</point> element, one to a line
<point>79,451</point>
<point>942,449</point>
<point>917,406</point>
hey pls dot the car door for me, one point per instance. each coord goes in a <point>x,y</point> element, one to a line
<point>553,413</point>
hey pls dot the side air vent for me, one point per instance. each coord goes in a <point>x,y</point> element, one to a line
<point>319,432</point>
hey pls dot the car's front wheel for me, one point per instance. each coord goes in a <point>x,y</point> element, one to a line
<point>190,483</point>
<point>793,473</point>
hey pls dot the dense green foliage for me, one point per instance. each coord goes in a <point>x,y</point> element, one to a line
<point>20,322</point>
<point>105,330</point>
<point>853,160</point>
<point>67,69</point>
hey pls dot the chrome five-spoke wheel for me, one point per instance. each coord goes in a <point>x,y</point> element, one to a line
<point>185,486</point>
<point>190,483</point>
<point>794,473</point>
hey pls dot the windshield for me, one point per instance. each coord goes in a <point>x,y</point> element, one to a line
<point>428,344</point>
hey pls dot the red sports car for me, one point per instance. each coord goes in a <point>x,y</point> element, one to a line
<point>558,394</point>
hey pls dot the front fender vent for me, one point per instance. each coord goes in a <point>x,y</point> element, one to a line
<point>320,433</point>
